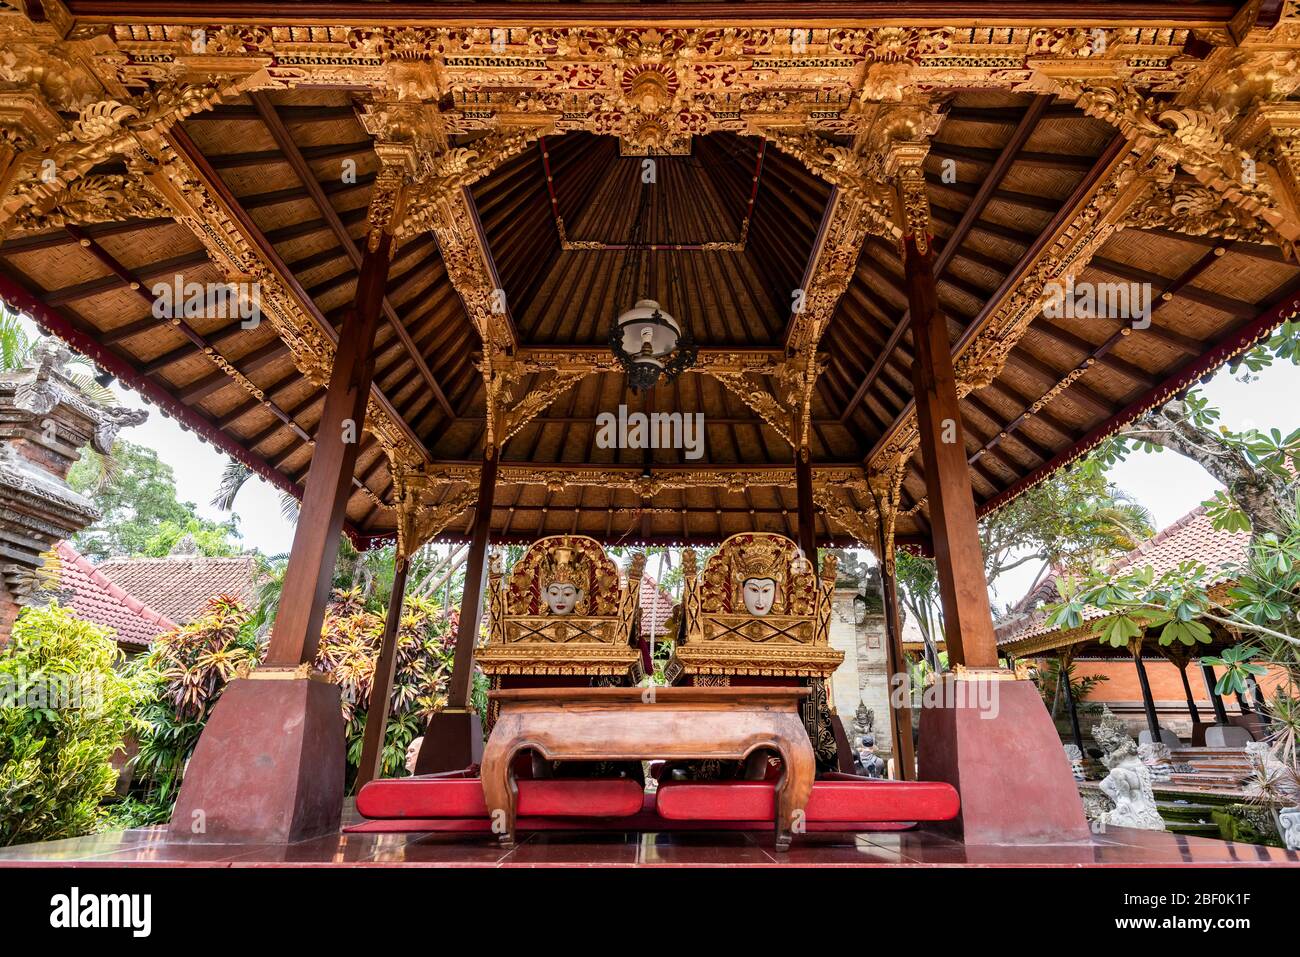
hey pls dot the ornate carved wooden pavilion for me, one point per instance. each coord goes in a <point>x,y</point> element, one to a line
<point>863,206</point>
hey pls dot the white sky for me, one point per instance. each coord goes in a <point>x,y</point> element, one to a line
<point>1167,484</point>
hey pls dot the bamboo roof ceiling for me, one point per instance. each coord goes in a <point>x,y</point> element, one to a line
<point>276,181</point>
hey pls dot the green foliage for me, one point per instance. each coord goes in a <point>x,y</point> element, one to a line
<point>140,509</point>
<point>1075,519</point>
<point>1238,666</point>
<point>209,538</point>
<point>1049,685</point>
<point>347,654</point>
<point>65,710</point>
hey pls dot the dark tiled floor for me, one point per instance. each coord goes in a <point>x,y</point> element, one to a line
<point>1117,847</point>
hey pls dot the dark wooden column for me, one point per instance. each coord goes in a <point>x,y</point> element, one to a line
<point>901,715</point>
<point>453,738</point>
<point>803,485</point>
<point>269,765</point>
<point>471,603</point>
<point>310,572</point>
<point>1148,703</point>
<point>968,621</point>
<point>1192,710</point>
<point>381,686</point>
<point>1072,705</point>
<point>962,743</point>
<point>1216,702</point>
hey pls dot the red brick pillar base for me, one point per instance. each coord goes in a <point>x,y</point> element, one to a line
<point>994,741</point>
<point>269,767</point>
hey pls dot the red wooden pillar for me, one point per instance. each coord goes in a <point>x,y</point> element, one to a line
<point>982,730</point>
<point>269,766</point>
<point>454,737</point>
<point>381,686</point>
<point>967,619</point>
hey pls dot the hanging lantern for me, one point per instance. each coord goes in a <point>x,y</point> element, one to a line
<point>650,343</point>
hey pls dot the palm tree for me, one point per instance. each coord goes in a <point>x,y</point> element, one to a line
<point>233,477</point>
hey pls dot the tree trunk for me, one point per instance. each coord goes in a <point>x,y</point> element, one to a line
<point>1262,495</point>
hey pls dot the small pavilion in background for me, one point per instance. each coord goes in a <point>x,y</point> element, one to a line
<point>1162,690</point>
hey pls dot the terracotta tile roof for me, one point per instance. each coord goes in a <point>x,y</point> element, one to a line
<point>179,586</point>
<point>79,585</point>
<point>1190,539</point>
<point>656,606</point>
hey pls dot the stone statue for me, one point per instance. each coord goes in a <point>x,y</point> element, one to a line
<point>1128,785</point>
<point>870,764</point>
<point>1288,820</point>
<point>864,720</point>
<point>1158,759</point>
<point>1075,754</point>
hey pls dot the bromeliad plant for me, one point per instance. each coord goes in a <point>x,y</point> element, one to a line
<point>188,669</point>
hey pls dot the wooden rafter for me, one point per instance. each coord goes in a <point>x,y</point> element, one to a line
<point>217,188</point>
<point>292,154</point>
<point>986,192</point>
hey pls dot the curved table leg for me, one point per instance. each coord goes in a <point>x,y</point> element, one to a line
<point>793,789</point>
<point>500,790</point>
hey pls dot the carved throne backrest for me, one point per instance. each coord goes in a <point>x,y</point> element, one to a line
<point>719,635</point>
<point>596,638</point>
<point>758,554</point>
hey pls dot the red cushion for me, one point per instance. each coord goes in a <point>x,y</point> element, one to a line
<point>435,796</point>
<point>834,799</point>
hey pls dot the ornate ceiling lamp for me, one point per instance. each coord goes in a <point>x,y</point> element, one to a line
<point>649,342</point>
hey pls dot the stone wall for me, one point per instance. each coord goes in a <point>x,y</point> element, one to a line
<point>858,629</point>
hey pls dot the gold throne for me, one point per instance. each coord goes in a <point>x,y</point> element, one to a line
<point>595,643</point>
<point>720,642</point>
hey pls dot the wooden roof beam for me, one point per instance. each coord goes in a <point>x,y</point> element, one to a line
<point>82,338</point>
<point>293,155</point>
<point>221,194</point>
<point>1001,165</point>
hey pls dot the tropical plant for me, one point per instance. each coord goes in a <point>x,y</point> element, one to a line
<point>141,513</point>
<point>65,708</point>
<point>1255,467</point>
<point>348,650</point>
<point>1051,687</point>
<point>233,478</point>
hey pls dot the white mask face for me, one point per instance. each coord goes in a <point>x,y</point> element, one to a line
<point>413,752</point>
<point>759,594</point>
<point>562,599</point>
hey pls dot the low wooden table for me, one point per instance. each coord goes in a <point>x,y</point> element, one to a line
<point>641,724</point>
